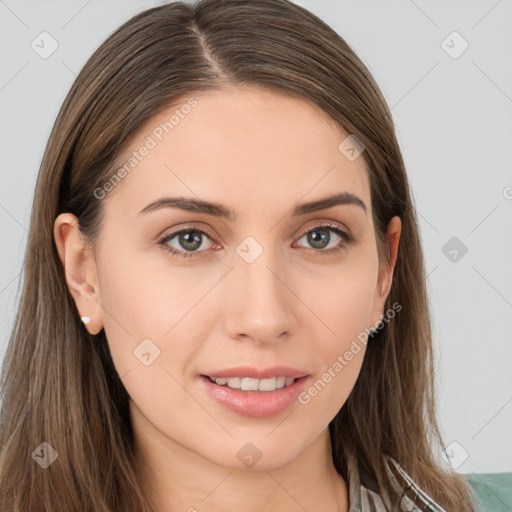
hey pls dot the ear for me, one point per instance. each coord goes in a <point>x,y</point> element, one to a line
<point>386,269</point>
<point>79,269</point>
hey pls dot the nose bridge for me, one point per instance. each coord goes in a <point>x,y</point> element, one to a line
<point>261,308</point>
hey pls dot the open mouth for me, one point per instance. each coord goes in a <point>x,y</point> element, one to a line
<point>250,384</point>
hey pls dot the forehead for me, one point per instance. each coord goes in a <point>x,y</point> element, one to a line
<point>250,147</point>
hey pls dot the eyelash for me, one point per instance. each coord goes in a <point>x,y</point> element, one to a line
<point>347,240</point>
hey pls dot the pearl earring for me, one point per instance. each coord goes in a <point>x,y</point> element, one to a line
<point>85,319</point>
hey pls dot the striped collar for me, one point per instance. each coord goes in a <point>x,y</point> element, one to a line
<point>363,490</point>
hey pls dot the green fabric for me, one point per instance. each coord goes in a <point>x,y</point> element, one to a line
<point>492,491</point>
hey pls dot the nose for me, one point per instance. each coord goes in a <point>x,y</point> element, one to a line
<point>260,306</point>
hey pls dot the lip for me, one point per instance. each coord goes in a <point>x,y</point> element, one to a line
<point>256,373</point>
<point>257,404</point>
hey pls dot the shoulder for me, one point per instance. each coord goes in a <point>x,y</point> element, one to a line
<point>492,491</point>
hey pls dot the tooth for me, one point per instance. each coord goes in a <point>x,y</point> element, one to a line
<point>249,384</point>
<point>235,382</point>
<point>267,384</point>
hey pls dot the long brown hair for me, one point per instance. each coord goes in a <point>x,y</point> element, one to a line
<point>59,384</point>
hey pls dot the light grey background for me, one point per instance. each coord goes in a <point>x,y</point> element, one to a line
<point>453,119</point>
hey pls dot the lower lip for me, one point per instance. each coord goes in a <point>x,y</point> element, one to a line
<point>258,404</point>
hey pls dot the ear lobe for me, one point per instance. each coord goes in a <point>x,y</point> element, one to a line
<point>79,269</point>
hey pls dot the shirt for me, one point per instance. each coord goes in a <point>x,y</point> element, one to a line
<point>363,490</point>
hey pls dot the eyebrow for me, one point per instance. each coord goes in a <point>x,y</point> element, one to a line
<point>194,205</point>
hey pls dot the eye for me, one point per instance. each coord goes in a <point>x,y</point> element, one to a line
<point>190,239</point>
<point>319,238</point>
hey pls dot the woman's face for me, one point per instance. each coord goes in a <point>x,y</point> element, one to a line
<point>273,285</point>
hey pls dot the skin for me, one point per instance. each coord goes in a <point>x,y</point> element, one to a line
<point>260,153</point>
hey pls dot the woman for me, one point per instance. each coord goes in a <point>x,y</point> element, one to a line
<point>224,296</point>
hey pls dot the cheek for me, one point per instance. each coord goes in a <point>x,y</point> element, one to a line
<point>144,298</point>
<point>338,321</point>
<point>341,300</point>
<point>132,306</point>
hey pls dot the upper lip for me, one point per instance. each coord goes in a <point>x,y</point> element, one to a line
<point>257,373</point>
